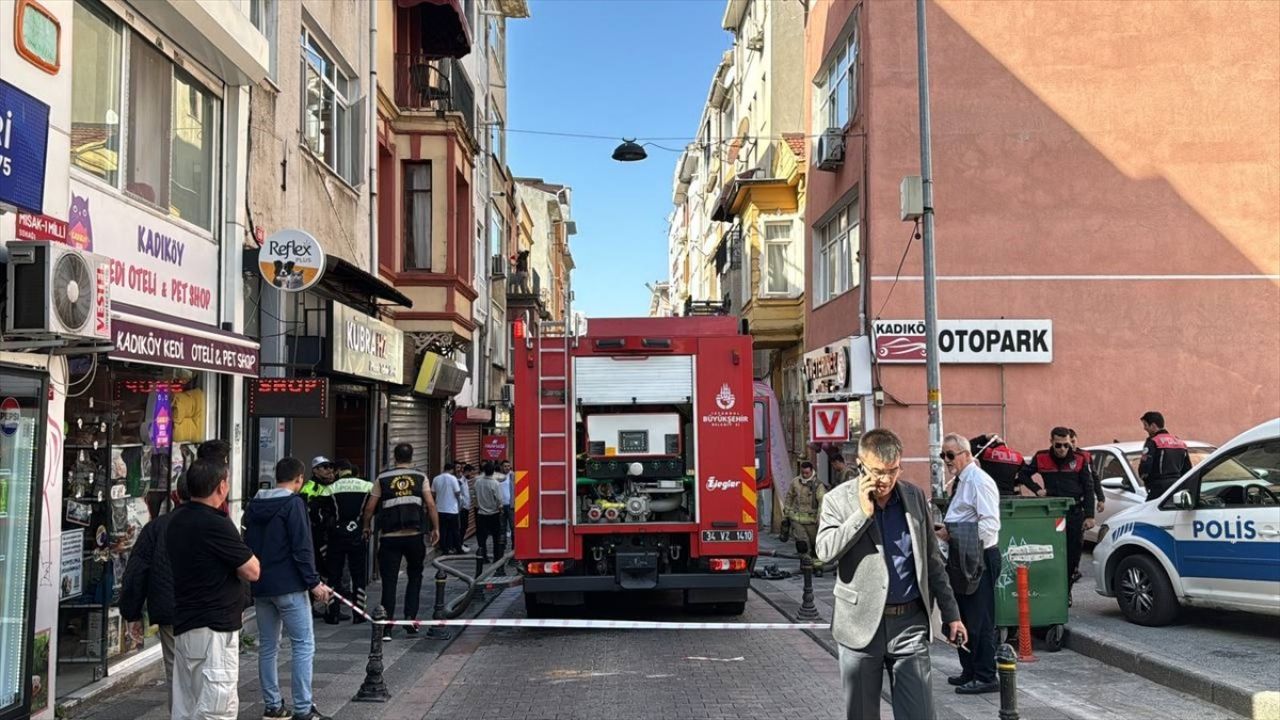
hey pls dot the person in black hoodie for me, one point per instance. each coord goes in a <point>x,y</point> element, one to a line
<point>278,531</point>
<point>148,580</point>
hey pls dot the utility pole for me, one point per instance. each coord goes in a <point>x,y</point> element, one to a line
<point>932,373</point>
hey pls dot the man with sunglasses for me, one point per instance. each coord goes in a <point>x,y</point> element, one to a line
<point>975,502</point>
<point>880,531</point>
<point>1065,472</point>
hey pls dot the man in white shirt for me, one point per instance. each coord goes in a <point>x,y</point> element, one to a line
<point>976,499</point>
<point>448,493</point>
<point>506,484</point>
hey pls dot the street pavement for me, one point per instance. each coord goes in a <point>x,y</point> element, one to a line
<point>546,674</point>
<point>1230,658</point>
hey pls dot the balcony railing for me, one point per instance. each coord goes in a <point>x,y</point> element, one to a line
<point>434,85</point>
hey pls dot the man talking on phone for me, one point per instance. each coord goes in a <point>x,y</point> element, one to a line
<point>889,575</point>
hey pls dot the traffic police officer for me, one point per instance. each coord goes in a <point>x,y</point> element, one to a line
<point>1164,456</point>
<point>1065,473</point>
<point>316,492</point>
<point>347,546</point>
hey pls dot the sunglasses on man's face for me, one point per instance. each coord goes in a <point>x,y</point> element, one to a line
<point>1061,446</point>
<point>947,455</point>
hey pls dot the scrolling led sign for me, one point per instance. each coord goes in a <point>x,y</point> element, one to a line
<point>289,397</point>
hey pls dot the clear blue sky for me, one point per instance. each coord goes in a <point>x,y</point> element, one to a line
<point>634,68</point>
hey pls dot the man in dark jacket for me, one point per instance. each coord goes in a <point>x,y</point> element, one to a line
<point>148,580</point>
<point>1065,472</point>
<point>278,531</point>
<point>1164,457</point>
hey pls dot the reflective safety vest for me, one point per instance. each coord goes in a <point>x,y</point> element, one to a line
<point>349,496</point>
<point>401,506</point>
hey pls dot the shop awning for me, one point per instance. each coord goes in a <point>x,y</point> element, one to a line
<point>346,279</point>
<point>444,27</point>
<point>439,376</point>
<point>140,335</point>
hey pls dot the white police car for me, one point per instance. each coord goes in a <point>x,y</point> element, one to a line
<point>1211,540</point>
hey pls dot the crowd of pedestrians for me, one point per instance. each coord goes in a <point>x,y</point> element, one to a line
<point>194,573</point>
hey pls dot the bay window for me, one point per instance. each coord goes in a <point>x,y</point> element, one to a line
<point>169,126</point>
<point>780,274</point>
<point>417,216</point>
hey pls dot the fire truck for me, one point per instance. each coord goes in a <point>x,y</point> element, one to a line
<point>636,460</point>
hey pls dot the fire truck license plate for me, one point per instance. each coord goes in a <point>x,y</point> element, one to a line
<point>728,535</point>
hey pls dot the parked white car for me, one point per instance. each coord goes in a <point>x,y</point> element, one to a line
<point>1212,540</point>
<point>1117,465</point>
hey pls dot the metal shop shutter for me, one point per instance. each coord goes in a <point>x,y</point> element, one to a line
<point>612,381</point>
<point>466,449</point>
<point>409,421</point>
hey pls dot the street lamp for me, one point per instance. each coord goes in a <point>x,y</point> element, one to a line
<point>629,151</point>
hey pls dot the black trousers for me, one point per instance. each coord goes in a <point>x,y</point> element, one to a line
<point>412,550</point>
<point>900,646</point>
<point>1075,541</point>
<point>349,555</point>
<point>978,612</point>
<point>450,534</point>
<point>487,527</point>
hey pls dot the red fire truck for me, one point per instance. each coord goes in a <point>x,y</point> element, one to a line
<point>635,460</point>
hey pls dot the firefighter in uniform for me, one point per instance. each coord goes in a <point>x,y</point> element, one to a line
<point>841,472</point>
<point>1164,456</point>
<point>1001,462</point>
<point>801,507</point>
<point>1065,474</point>
<point>347,546</point>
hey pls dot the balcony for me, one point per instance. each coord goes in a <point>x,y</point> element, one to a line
<point>524,290</point>
<point>426,84</point>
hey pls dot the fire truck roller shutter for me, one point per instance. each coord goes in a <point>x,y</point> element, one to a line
<point>622,381</point>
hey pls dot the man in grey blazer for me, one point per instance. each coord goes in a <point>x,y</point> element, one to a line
<point>889,575</point>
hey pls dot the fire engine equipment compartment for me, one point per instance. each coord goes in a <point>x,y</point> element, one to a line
<point>632,468</point>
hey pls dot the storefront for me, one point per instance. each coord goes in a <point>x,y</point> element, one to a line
<point>134,420</point>
<point>840,373</point>
<point>416,414</point>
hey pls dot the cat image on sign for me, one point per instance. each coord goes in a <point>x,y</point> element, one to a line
<point>286,276</point>
<point>80,224</point>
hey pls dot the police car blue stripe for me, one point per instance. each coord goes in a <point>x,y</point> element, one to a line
<point>1245,560</point>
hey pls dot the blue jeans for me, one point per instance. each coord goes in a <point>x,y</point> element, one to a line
<point>293,611</point>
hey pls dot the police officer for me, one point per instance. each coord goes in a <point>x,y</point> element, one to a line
<point>1164,456</point>
<point>347,546</point>
<point>320,511</point>
<point>1001,462</point>
<point>1065,474</point>
<point>402,499</point>
<point>1088,463</point>
<point>801,507</point>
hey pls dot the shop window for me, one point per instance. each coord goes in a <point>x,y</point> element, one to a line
<point>132,430</point>
<point>97,58</point>
<point>170,130</point>
<point>332,122</point>
<point>417,216</point>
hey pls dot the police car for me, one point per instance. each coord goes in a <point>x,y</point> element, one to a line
<point>1117,465</point>
<point>1212,540</point>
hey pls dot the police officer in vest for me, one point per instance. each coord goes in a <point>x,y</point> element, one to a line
<point>1164,456</point>
<point>1065,473</point>
<point>1001,462</point>
<point>347,545</point>
<point>402,499</point>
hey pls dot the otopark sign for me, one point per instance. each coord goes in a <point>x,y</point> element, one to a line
<point>971,342</point>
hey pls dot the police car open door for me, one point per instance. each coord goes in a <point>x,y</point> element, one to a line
<point>1228,547</point>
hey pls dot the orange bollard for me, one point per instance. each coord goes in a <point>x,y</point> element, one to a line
<point>1024,616</point>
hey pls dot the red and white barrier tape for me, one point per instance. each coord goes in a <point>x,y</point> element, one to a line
<point>567,624</point>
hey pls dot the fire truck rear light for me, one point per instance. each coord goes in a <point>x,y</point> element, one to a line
<point>545,568</point>
<point>728,565</point>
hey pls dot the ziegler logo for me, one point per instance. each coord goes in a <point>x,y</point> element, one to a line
<point>714,484</point>
<point>725,399</point>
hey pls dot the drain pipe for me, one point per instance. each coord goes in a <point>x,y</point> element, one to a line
<point>371,127</point>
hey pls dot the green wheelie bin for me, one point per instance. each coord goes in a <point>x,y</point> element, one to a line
<point>1033,533</point>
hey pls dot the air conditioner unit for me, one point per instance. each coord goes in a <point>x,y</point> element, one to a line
<point>831,149</point>
<point>57,291</point>
<point>499,267</point>
<point>508,394</point>
<point>756,41</point>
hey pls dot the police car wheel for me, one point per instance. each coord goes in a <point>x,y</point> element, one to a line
<point>1143,591</point>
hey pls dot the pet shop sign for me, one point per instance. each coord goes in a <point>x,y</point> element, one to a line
<point>154,263</point>
<point>291,260</point>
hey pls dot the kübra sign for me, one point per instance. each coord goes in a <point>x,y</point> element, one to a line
<point>975,342</point>
<point>365,346</point>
